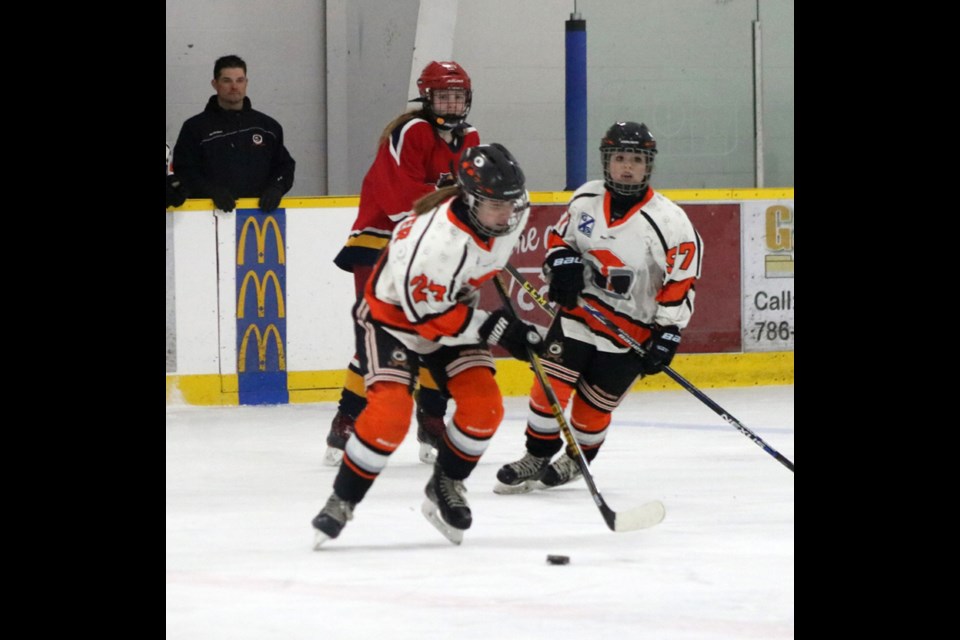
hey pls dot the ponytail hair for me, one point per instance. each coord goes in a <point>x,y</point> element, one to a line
<point>431,200</point>
<point>403,118</point>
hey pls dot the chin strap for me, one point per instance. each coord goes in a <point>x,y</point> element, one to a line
<point>441,123</point>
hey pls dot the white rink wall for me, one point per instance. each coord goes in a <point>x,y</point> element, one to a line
<point>319,296</point>
<point>293,337</point>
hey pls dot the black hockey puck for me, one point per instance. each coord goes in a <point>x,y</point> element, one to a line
<point>558,559</point>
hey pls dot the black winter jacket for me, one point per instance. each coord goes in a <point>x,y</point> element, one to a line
<point>240,150</point>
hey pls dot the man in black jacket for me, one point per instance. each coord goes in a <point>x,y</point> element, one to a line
<point>230,150</point>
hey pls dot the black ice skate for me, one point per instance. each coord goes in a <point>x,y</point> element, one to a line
<point>340,430</point>
<point>520,476</point>
<point>446,507</point>
<point>561,471</point>
<point>429,432</point>
<point>331,519</point>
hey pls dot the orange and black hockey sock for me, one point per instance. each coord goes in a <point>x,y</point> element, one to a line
<point>543,431</point>
<point>477,417</point>
<point>589,426</point>
<point>378,432</point>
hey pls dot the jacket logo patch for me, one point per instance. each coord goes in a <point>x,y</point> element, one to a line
<point>399,359</point>
<point>554,351</point>
<point>586,225</point>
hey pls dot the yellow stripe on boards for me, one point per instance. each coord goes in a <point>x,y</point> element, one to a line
<point>703,370</point>
<point>536,197</point>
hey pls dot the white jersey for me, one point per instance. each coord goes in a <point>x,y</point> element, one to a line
<point>425,288</point>
<point>638,270</point>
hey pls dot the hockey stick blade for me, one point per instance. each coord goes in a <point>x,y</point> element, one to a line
<point>642,517</point>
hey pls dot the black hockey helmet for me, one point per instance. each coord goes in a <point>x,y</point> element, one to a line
<point>627,137</point>
<point>490,172</point>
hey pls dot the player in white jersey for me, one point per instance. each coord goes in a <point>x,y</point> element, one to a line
<point>421,303</point>
<point>632,254</point>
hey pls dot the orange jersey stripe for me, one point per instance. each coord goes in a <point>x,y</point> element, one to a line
<point>478,282</point>
<point>452,217</point>
<point>554,240</point>
<point>629,214</point>
<point>674,291</point>
<point>450,323</point>
<point>637,332</point>
<point>447,324</point>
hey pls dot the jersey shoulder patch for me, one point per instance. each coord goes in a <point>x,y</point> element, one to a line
<point>585,224</point>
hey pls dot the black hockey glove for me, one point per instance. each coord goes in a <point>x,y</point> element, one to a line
<point>270,198</point>
<point>176,195</point>
<point>222,198</point>
<point>512,334</point>
<point>566,277</point>
<point>660,349</point>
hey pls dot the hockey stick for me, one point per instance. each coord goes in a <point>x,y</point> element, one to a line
<point>683,382</point>
<point>646,515</point>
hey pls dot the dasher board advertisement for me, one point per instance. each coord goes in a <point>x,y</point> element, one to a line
<point>769,300</point>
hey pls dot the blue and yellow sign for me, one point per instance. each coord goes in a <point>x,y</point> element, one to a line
<point>261,308</point>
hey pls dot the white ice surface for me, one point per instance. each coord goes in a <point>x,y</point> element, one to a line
<point>243,484</point>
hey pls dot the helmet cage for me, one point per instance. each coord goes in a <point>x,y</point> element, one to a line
<point>438,76</point>
<point>626,188</point>
<point>627,137</point>
<point>446,120</point>
<point>474,201</point>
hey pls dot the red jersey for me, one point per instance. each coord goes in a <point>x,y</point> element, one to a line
<point>408,165</point>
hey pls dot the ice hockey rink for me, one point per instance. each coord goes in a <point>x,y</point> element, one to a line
<point>243,484</point>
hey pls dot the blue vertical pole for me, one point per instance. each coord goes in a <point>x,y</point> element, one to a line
<point>576,101</point>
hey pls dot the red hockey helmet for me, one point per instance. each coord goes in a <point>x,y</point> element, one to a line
<point>444,76</point>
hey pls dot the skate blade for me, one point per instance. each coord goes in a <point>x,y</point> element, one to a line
<point>319,539</point>
<point>510,489</point>
<point>332,457</point>
<point>432,514</point>
<point>428,454</point>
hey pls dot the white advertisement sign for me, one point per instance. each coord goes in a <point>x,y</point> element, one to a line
<point>767,240</point>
